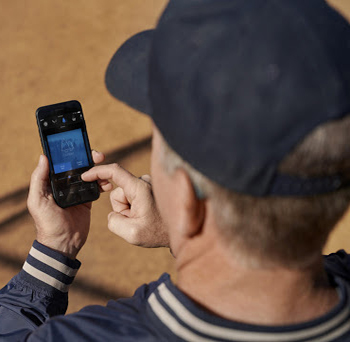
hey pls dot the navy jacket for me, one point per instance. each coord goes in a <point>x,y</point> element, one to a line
<point>33,303</point>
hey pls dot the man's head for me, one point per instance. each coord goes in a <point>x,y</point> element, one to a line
<point>238,89</point>
<point>275,230</point>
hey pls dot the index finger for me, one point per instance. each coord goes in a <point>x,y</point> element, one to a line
<point>115,172</point>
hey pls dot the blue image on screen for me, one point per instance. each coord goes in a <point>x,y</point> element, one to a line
<point>67,150</point>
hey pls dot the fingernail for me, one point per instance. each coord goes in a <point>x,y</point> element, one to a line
<point>83,175</point>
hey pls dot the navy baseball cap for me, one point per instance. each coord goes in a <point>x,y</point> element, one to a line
<point>235,85</point>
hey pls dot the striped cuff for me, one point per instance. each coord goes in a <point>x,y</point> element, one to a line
<point>49,270</point>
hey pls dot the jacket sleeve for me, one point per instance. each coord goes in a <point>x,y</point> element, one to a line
<point>39,291</point>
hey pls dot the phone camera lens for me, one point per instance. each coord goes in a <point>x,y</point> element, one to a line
<point>45,123</point>
<point>63,120</point>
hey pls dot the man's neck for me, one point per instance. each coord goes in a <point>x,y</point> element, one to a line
<point>263,296</point>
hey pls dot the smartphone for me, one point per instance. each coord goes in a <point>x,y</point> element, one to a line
<point>65,142</point>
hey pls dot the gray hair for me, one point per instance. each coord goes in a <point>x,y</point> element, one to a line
<point>288,231</point>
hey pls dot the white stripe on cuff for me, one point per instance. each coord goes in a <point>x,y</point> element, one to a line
<point>45,278</point>
<point>57,265</point>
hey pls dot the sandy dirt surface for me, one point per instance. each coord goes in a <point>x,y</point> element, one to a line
<point>53,51</point>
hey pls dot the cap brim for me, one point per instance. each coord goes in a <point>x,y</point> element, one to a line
<point>127,73</point>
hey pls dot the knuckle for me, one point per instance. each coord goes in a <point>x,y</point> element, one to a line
<point>144,186</point>
<point>111,225</point>
<point>134,236</point>
<point>116,166</point>
<point>119,191</point>
<point>114,194</point>
<point>111,196</point>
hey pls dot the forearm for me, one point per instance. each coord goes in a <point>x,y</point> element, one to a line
<point>38,292</point>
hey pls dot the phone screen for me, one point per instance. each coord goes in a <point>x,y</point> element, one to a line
<point>67,150</point>
<point>65,142</point>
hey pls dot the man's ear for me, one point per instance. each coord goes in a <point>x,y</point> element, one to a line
<point>191,209</point>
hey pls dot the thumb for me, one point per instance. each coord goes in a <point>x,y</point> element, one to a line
<point>123,227</point>
<point>40,177</point>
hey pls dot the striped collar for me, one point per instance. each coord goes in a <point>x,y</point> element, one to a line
<point>181,319</point>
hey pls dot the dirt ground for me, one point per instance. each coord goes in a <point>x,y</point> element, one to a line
<point>53,51</point>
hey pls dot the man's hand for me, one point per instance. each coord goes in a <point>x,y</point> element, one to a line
<point>64,230</point>
<point>135,216</point>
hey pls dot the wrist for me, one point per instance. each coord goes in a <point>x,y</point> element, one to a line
<point>48,271</point>
<point>65,246</point>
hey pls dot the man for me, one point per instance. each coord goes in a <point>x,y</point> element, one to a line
<point>250,173</point>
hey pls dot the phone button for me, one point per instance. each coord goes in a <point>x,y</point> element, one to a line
<point>75,180</point>
<point>73,189</point>
<point>93,187</point>
<point>72,195</point>
<point>82,187</point>
<point>62,195</point>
